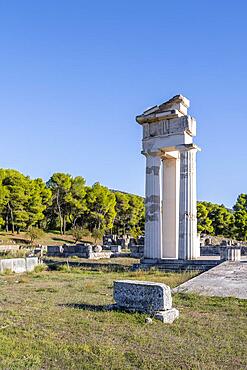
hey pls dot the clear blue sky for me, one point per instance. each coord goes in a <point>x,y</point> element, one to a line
<point>74,74</point>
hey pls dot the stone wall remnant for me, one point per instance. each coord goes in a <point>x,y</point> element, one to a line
<point>18,265</point>
<point>79,250</point>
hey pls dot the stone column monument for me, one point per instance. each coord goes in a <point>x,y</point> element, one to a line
<point>171,224</point>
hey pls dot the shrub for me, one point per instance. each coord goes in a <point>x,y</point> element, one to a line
<point>63,268</point>
<point>97,234</point>
<point>34,233</point>
<point>7,272</point>
<point>40,268</point>
<point>79,232</point>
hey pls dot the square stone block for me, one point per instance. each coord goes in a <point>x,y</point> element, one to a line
<point>143,296</point>
<point>168,316</point>
<point>31,263</point>
<point>116,248</point>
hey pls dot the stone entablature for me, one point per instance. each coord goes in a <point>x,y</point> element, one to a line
<point>175,107</point>
<point>169,127</point>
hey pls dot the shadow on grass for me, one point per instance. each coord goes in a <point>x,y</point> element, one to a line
<point>104,308</point>
<point>20,240</point>
<point>91,307</point>
<point>59,239</point>
<point>67,241</point>
<point>89,265</point>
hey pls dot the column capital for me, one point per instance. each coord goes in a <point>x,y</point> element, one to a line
<point>151,154</point>
<point>187,147</point>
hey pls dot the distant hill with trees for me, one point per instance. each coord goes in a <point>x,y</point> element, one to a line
<point>66,203</point>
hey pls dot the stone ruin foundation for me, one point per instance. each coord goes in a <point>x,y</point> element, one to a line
<point>79,250</point>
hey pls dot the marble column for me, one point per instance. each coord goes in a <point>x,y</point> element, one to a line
<point>188,240</point>
<point>153,242</point>
<point>170,206</point>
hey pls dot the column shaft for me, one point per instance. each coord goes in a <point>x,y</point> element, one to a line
<point>170,207</point>
<point>188,241</point>
<point>152,247</point>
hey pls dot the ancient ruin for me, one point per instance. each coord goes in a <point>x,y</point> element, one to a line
<point>171,224</point>
<point>18,265</point>
<point>145,296</point>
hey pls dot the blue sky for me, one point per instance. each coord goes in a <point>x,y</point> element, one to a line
<point>74,74</point>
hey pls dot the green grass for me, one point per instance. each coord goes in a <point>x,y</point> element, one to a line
<point>54,320</point>
<point>107,265</point>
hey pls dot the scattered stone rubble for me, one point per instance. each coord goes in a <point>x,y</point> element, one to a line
<point>79,250</point>
<point>125,246</point>
<point>136,251</point>
<point>225,248</point>
<point>117,245</point>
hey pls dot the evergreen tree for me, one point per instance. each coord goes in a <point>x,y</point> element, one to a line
<point>38,200</point>
<point>204,223</point>
<point>129,214</point>
<point>22,200</point>
<point>137,215</point>
<point>68,198</point>
<point>17,189</point>
<point>122,208</point>
<point>240,214</point>
<point>222,220</point>
<point>101,207</point>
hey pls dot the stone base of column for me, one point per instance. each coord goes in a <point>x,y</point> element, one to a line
<point>177,264</point>
<point>150,261</point>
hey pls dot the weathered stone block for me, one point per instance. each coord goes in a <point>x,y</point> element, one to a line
<point>116,248</point>
<point>6,264</point>
<point>142,296</point>
<point>168,316</point>
<point>137,251</point>
<point>19,265</point>
<point>54,250</point>
<point>97,248</point>
<point>234,254</point>
<point>99,255</point>
<point>31,263</point>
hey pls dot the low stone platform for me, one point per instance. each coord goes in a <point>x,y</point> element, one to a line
<point>229,279</point>
<point>200,264</point>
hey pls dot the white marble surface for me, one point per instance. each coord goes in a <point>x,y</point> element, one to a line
<point>228,279</point>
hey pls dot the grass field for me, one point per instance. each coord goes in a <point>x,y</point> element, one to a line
<point>54,320</point>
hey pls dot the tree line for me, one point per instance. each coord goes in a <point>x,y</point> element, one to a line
<point>215,219</point>
<point>66,203</point>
